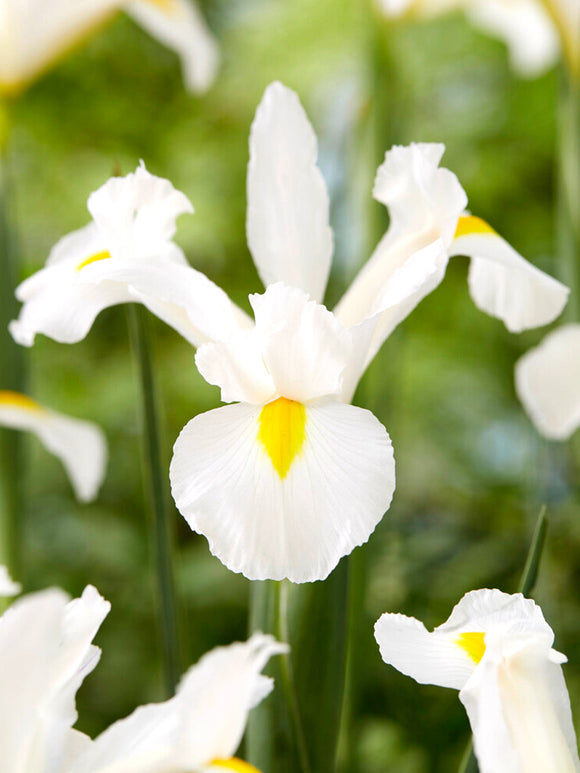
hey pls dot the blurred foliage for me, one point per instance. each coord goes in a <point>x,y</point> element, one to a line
<point>471,471</point>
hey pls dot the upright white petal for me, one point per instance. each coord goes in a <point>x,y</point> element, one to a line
<point>288,208</point>
<point>7,586</point>
<point>45,653</point>
<point>179,25</point>
<point>271,520</point>
<point>424,203</point>
<point>548,383</point>
<point>80,445</point>
<point>205,720</point>
<point>502,283</point>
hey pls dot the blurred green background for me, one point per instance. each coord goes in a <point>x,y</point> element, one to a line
<point>471,471</point>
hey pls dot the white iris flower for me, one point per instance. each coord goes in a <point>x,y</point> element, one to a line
<point>45,654</point>
<point>290,478</point>
<point>80,445</point>
<point>548,383</point>
<point>535,31</point>
<point>496,649</point>
<point>35,33</point>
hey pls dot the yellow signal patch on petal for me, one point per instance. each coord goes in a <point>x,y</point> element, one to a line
<point>105,255</point>
<point>282,432</point>
<point>470,224</point>
<point>235,765</point>
<point>167,6</point>
<point>18,400</point>
<point>473,643</point>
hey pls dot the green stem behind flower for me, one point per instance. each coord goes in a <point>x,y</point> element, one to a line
<point>161,521</point>
<point>12,372</point>
<point>568,215</point>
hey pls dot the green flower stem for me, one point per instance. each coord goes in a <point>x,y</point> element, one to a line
<point>12,371</point>
<point>527,582</point>
<point>275,736</point>
<point>161,523</point>
<point>568,211</point>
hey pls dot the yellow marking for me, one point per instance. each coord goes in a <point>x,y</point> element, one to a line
<point>18,400</point>
<point>470,224</point>
<point>473,644</point>
<point>282,432</point>
<point>105,255</point>
<point>167,6</point>
<point>235,765</point>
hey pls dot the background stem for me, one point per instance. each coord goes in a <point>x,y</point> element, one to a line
<point>161,523</point>
<point>12,377</point>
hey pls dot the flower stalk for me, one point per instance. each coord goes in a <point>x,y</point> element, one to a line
<point>11,368</point>
<point>160,522</point>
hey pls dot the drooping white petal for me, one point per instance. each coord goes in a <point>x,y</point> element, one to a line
<point>136,214</point>
<point>80,445</point>
<point>45,653</point>
<point>295,521</point>
<point>33,34</point>
<point>203,722</point>
<point>526,28</point>
<point>427,657</point>
<point>505,285</point>
<point>424,203</point>
<point>481,610</point>
<point>288,208</point>
<point>179,25</point>
<point>548,383</point>
<point>7,586</point>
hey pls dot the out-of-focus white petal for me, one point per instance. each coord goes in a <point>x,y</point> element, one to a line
<point>294,520</point>
<point>424,203</point>
<point>45,653</point>
<point>136,214</point>
<point>34,33</point>
<point>502,283</point>
<point>80,445</point>
<point>288,208</point>
<point>418,8</point>
<point>58,305</point>
<point>548,383</point>
<point>179,25</point>
<point>526,28</point>
<point>427,657</point>
<point>7,586</point>
<point>205,720</point>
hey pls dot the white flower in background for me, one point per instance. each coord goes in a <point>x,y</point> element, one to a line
<point>7,586</point>
<point>132,228</point>
<point>36,33</point>
<point>80,445</point>
<point>45,654</point>
<point>496,649</point>
<point>548,383</point>
<point>535,31</point>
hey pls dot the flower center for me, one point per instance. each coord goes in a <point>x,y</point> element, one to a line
<point>17,400</point>
<point>473,643</point>
<point>282,432</point>
<point>93,259</point>
<point>235,765</point>
<point>470,224</point>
